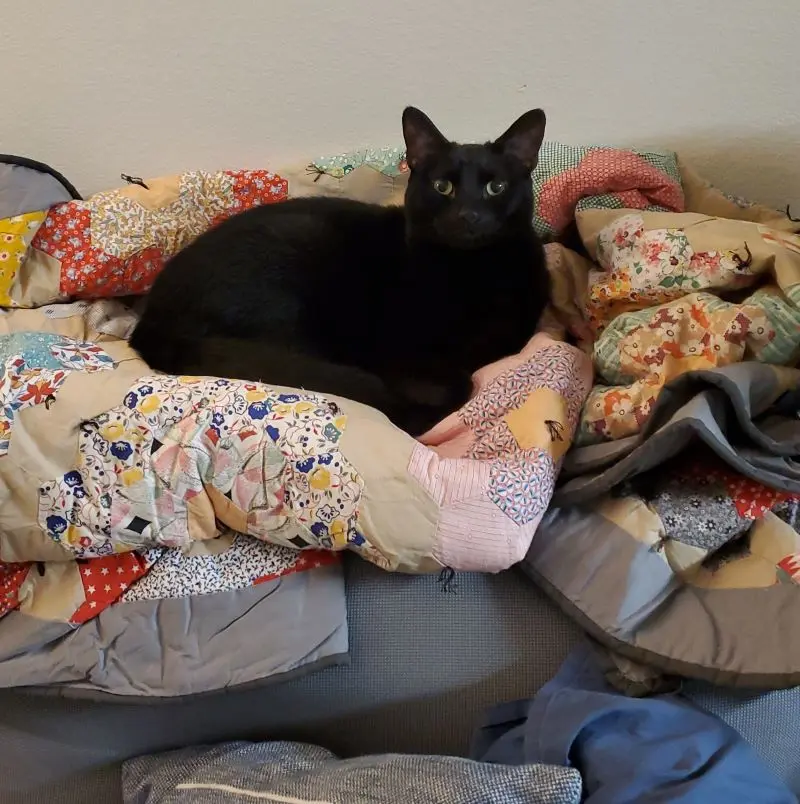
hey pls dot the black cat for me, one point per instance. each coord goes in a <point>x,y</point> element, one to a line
<point>395,307</point>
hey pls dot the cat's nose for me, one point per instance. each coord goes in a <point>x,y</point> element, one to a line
<point>469,216</point>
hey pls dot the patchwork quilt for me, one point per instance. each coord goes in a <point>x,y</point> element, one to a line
<point>219,508</point>
<point>674,535</point>
<point>216,507</point>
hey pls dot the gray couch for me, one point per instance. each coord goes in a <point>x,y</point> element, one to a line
<point>425,663</point>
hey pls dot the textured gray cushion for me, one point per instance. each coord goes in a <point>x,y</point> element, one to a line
<point>283,771</point>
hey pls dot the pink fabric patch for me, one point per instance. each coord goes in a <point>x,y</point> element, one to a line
<point>476,536</point>
<point>489,510</point>
<point>492,493</point>
<point>478,429</point>
<point>637,183</point>
<point>448,480</point>
<point>474,532</point>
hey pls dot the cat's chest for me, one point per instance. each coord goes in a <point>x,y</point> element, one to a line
<point>469,320</point>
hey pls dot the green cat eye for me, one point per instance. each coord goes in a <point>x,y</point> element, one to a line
<point>495,187</point>
<point>443,186</point>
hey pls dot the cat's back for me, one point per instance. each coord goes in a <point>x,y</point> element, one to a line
<point>286,244</point>
<point>272,268</point>
<point>311,224</point>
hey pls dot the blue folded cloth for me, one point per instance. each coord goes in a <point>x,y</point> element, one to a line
<point>656,749</point>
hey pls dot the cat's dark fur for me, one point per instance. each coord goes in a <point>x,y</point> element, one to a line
<point>395,307</point>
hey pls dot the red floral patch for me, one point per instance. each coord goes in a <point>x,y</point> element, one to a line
<point>752,499</point>
<point>636,182</point>
<point>88,272</point>
<point>252,188</point>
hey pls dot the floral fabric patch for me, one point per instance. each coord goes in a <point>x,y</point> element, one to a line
<point>35,365</point>
<point>246,562</point>
<point>182,454</point>
<point>115,243</point>
<point>15,236</point>
<point>645,268</point>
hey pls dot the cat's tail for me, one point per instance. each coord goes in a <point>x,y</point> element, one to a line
<point>256,361</point>
<point>283,365</point>
<point>162,351</point>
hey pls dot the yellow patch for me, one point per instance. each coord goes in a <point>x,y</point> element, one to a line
<point>131,476</point>
<point>150,404</point>
<point>15,237</point>
<point>541,423</point>
<point>320,479</point>
<point>255,396</point>
<point>113,432</point>
<point>338,532</point>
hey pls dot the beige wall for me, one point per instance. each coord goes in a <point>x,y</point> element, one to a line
<point>105,86</point>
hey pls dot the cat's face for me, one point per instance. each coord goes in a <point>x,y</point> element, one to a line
<point>467,196</point>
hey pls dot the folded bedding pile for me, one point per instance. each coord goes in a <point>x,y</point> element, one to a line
<point>163,535</point>
<point>673,536</point>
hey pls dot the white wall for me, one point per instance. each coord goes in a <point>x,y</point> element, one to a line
<point>97,87</point>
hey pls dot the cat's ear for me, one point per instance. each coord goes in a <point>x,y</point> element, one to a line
<point>422,138</point>
<point>524,137</point>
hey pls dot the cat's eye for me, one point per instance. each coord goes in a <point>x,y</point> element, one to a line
<point>495,188</point>
<point>443,186</point>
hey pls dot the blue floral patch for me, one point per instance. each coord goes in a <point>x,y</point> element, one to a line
<point>521,488</point>
<point>121,450</point>
<point>259,410</point>
<point>56,525</point>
